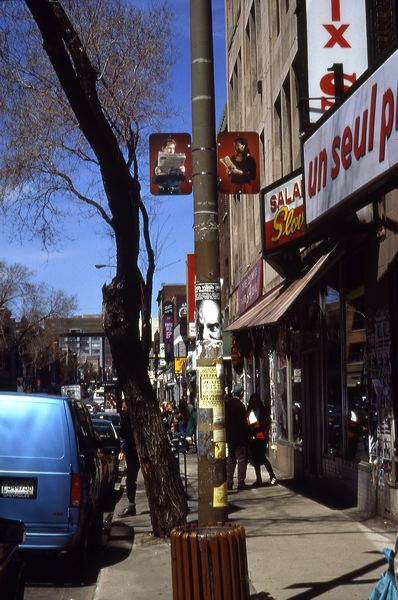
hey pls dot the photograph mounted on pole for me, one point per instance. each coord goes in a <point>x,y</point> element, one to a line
<point>170,164</point>
<point>238,162</point>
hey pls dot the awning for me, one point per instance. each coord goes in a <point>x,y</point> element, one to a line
<point>275,304</point>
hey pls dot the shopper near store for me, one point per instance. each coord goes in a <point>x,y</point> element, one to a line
<point>259,425</point>
<point>237,433</point>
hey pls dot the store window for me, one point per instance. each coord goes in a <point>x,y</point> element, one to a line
<point>297,408</point>
<point>355,344</point>
<point>281,398</point>
<point>332,320</point>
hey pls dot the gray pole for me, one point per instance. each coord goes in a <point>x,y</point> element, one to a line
<point>213,501</point>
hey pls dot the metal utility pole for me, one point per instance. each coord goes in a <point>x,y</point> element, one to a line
<point>213,500</point>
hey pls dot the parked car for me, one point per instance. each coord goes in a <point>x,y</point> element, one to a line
<point>113,417</point>
<point>51,472</point>
<point>12,567</point>
<point>110,445</point>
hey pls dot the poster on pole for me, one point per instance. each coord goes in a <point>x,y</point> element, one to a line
<point>208,310</point>
<point>238,162</point>
<point>170,163</point>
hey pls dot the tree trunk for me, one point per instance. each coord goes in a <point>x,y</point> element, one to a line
<point>165,493</point>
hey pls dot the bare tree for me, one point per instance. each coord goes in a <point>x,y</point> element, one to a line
<point>38,304</point>
<point>30,303</point>
<point>73,119</point>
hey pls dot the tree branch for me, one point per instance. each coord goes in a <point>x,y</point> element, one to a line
<point>82,197</point>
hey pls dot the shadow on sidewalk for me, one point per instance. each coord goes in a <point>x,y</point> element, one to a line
<point>319,491</point>
<point>317,588</point>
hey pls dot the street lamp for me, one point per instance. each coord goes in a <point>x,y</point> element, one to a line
<point>102,266</point>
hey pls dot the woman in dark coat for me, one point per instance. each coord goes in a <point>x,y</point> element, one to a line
<point>259,424</point>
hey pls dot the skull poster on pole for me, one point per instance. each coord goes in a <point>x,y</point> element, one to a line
<point>208,311</point>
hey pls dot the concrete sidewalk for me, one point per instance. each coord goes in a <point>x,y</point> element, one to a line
<point>296,547</point>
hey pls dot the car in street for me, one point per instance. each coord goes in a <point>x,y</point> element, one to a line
<point>12,567</point>
<point>110,446</point>
<point>112,416</point>
<point>51,472</point>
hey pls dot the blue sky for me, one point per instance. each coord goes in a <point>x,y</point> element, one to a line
<point>70,266</point>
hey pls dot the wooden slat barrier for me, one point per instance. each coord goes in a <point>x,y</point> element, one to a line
<point>209,563</point>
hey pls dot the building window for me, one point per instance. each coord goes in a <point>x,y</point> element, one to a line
<point>276,19</point>
<point>251,55</point>
<point>287,128</point>
<point>281,398</point>
<point>295,129</point>
<point>277,138</point>
<point>296,392</point>
<point>262,153</point>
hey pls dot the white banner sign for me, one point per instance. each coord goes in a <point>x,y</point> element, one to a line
<point>356,146</point>
<point>336,33</point>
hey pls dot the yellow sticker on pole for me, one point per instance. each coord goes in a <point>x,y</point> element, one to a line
<point>210,388</point>
<point>220,496</point>
<point>219,450</point>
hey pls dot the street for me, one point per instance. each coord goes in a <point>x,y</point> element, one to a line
<point>52,578</point>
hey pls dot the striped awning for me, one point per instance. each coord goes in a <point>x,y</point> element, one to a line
<point>274,305</point>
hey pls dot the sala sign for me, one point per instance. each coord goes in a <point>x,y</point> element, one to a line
<point>282,210</point>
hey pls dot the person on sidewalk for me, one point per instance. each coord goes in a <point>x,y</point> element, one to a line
<point>128,451</point>
<point>237,434</point>
<point>258,422</point>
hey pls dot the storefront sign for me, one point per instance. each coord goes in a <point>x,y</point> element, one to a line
<point>250,287</point>
<point>356,146</point>
<point>282,211</point>
<point>168,322</point>
<point>336,33</point>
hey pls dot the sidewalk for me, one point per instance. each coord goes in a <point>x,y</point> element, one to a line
<point>296,547</point>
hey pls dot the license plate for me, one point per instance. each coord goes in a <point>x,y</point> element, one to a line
<point>18,488</point>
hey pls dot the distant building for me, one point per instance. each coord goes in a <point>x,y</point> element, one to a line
<point>82,343</point>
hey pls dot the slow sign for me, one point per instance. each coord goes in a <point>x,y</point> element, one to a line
<point>283,211</point>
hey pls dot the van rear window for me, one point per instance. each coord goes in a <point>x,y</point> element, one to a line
<point>31,429</point>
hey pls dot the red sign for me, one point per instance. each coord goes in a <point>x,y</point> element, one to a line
<point>283,211</point>
<point>238,163</point>
<point>250,288</point>
<point>170,161</point>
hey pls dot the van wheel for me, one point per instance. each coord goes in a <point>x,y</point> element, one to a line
<point>78,557</point>
<point>96,530</point>
<point>82,551</point>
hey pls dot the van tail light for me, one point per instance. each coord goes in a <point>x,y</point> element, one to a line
<point>75,490</point>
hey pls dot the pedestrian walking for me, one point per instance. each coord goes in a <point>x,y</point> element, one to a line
<point>128,451</point>
<point>237,434</point>
<point>259,425</point>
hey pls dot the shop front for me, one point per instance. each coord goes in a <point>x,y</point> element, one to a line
<point>318,349</point>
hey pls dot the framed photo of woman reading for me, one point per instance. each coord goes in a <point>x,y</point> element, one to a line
<point>238,163</point>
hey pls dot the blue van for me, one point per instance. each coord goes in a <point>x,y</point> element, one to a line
<point>50,472</point>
